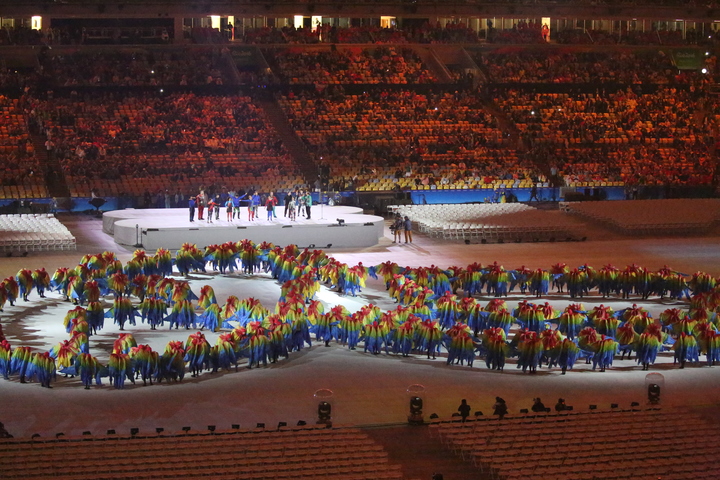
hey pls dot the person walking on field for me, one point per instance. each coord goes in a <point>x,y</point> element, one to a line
<point>397,228</point>
<point>408,230</point>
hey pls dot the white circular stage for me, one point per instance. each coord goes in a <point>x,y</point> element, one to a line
<point>170,228</point>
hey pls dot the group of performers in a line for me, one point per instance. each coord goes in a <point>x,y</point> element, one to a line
<point>429,315</point>
<point>296,202</point>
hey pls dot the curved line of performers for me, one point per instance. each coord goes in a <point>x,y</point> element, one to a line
<point>423,322</point>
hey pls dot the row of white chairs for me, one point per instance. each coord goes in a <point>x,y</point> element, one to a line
<point>490,222</point>
<point>34,232</point>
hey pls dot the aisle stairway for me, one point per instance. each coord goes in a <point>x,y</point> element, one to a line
<point>54,178</point>
<point>420,455</point>
<point>297,150</point>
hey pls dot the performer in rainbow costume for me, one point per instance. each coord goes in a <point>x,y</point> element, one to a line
<point>119,369</point>
<point>539,282</point>
<point>648,345</point>
<point>494,342</point>
<point>88,368</point>
<point>41,281</point>
<point>257,346</point>
<point>429,337</point>
<point>42,366</point>
<point>567,354</point>
<point>172,363</point>
<point>608,280</point>
<point>59,281</point>
<point>12,290</point>
<point>530,348</point>
<point>25,281</point>
<point>5,356</point>
<point>122,311</point>
<point>163,262</point>
<point>459,345</point>
<point>73,316</point>
<point>686,349</point>
<point>197,353</point>
<point>572,320</point>
<point>182,315</point>
<point>207,297</point>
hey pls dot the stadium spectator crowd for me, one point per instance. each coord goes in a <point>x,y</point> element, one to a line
<point>386,64</point>
<point>433,139</point>
<point>542,66</point>
<point>178,136</point>
<point>138,68</point>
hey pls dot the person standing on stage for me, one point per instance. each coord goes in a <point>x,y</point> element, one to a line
<point>210,207</point>
<point>200,200</point>
<point>218,202</point>
<point>301,202</point>
<point>291,207</point>
<point>236,205</point>
<point>308,203</point>
<point>191,207</point>
<point>254,206</point>
<point>270,204</point>
<point>229,209</point>
<point>287,200</point>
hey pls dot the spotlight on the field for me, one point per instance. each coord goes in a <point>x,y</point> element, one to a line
<point>416,406</point>
<point>341,221</point>
<point>159,430</point>
<point>654,393</point>
<point>134,431</point>
<point>186,429</point>
<point>324,413</point>
<point>211,428</point>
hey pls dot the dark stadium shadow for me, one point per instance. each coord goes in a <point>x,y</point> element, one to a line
<point>297,358</point>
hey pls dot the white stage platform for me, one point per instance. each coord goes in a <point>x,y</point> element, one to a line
<point>170,228</point>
